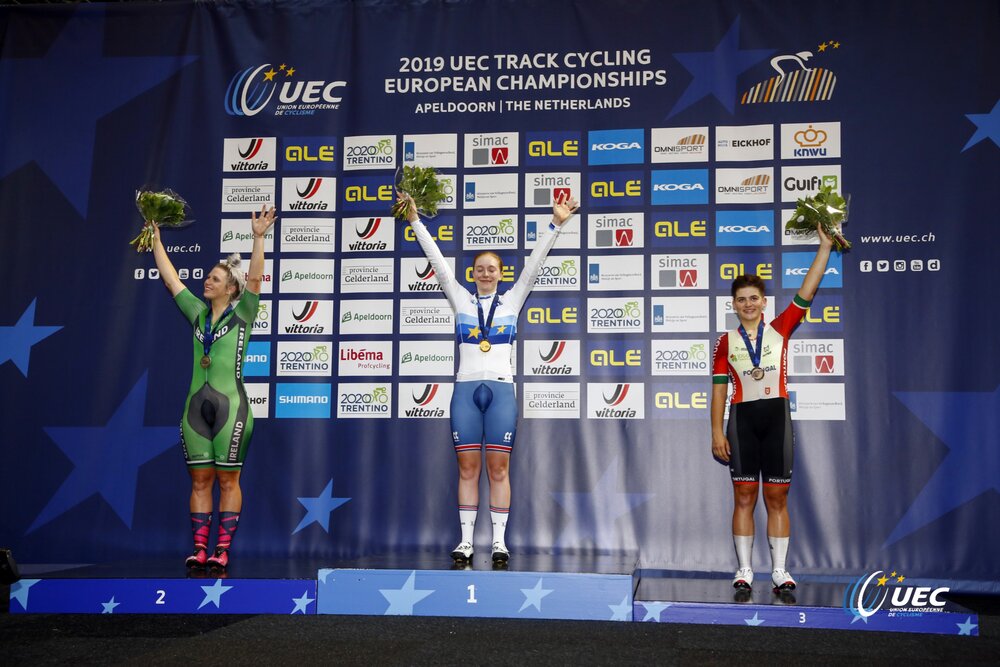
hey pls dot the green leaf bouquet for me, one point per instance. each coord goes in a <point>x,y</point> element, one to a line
<point>423,185</point>
<point>166,208</point>
<point>827,209</point>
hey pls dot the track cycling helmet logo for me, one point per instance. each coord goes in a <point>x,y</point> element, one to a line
<point>252,89</point>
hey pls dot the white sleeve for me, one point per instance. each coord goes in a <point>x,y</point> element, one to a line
<point>517,295</point>
<point>454,292</point>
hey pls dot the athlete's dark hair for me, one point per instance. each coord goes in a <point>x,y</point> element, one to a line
<point>751,280</point>
<point>491,254</point>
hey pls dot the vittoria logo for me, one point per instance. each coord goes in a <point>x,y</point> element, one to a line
<point>549,357</point>
<point>617,403</point>
<point>617,396</point>
<point>309,194</point>
<point>251,90</point>
<point>365,232</point>
<point>427,396</point>
<point>424,400</point>
<point>308,310</point>
<point>253,154</point>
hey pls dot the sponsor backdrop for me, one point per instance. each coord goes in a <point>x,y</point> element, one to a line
<point>687,135</point>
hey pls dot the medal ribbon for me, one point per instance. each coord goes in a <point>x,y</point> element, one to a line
<point>209,332</point>
<point>484,325</point>
<point>754,353</point>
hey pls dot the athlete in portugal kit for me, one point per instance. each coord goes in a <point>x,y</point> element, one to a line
<point>217,422</point>
<point>483,406</point>
<point>757,442</point>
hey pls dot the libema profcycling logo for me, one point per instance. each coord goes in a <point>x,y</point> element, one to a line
<point>870,592</point>
<point>252,89</point>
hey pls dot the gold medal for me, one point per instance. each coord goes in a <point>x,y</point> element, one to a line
<point>484,345</point>
<point>206,361</point>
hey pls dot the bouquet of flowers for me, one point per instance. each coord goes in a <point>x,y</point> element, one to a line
<point>422,184</point>
<point>166,208</point>
<point>828,209</point>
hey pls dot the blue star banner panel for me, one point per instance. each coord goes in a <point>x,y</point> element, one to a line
<point>687,135</point>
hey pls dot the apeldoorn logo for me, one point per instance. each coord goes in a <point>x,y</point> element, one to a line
<point>253,88</point>
<point>678,144</point>
<point>541,190</point>
<point>365,316</point>
<point>318,193</point>
<point>679,186</point>
<point>308,276</point>
<point>309,153</point>
<point>744,228</point>
<point>498,149</point>
<point>869,594</point>
<point>616,401</point>
<point>615,230</point>
<point>616,147</point>
<point>426,357</point>
<point>371,234</point>
<point>249,154</point>
<point>237,236</point>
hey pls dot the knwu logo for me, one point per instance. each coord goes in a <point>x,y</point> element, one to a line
<point>252,89</point>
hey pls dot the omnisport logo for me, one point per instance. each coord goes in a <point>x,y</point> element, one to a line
<point>251,90</point>
<point>869,594</point>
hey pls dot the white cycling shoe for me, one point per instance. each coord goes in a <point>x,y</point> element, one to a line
<point>782,580</point>
<point>500,553</point>
<point>743,578</point>
<point>463,552</point>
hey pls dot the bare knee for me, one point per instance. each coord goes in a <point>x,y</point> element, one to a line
<point>202,480</point>
<point>469,469</point>
<point>776,498</point>
<point>498,470</point>
<point>745,496</point>
<point>229,481</point>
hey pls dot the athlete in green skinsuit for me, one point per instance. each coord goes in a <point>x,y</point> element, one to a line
<point>217,422</point>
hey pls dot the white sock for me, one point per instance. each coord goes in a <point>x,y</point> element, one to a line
<point>779,548</point>
<point>499,526</point>
<point>468,520</point>
<point>744,549</point>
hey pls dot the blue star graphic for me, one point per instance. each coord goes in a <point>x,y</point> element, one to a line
<point>596,512</point>
<point>714,72</point>
<point>857,616</point>
<point>966,628</point>
<point>324,573</point>
<point>987,126</point>
<point>302,603</point>
<point>622,611</point>
<point>533,596</point>
<point>16,341</point>
<point>76,77</point>
<point>109,606</point>
<point>214,593</point>
<point>19,591</point>
<point>318,509</point>
<point>107,458</point>
<point>967,423</point>
<point>755,621</point>
<point>401,601</point>
<point>654,609</point>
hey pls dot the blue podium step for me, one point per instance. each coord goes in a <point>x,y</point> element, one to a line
<point>592,588</point>
<point>669,598</point>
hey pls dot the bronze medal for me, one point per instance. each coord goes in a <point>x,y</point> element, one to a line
<point>484,345</point>
<point>206,361</point>
<point>757,373</point>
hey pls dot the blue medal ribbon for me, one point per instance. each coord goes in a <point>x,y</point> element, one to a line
<point>754,353</point>
<point>485,325</point>
<point>209,332</point>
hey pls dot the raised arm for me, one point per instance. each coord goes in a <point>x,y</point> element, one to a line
<point>453,291</point>
<point>260,225</point>
<point>815,274</point>
<point>163,264</point>
<point>562,211</point>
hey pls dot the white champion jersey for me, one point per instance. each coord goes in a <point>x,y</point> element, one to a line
<point>473,363</point>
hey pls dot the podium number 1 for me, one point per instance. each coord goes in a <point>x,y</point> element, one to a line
<point>472,594</point>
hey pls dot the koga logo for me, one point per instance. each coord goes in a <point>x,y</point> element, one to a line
<point>669,229</point>
<point>252,89</point>
<point>247,154</point>
<point>613,401</point>
<point>600,358</point>
<point>422,401</point>
<point>444,233</point>
<point>365,233</point>
<point>302,154</point>
<point>673,187</point>
<point>744,229</point>
<point>810,143</point>
<point>869,593</point>
<point>425,280</point>
<point>619,146</point>
<point>676,400</point>
<point>803,270</point>
<point>567,315</point>
<point>317,359</point>
<point>760,183</point>
<point>549,359</point>
<point>793,184</point>
<point>730,270</point>
<point>607,189</point>
<point>569,148</point>
<point>373,402</point>
<point>360,193</point>
<point>306,192</point>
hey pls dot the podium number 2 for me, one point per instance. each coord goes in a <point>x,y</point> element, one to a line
<point>472,594</point>
<point>161,595</point>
